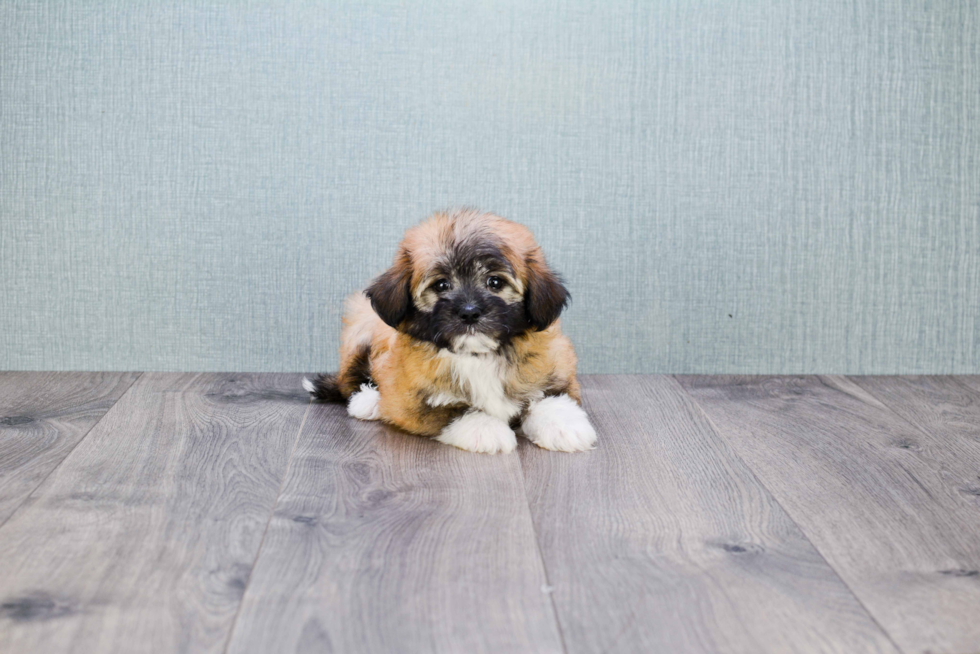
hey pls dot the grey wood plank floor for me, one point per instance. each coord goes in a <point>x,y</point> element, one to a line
<point>143,539</point>
<point>666,542</point>
<point>385,542</point>
<point>224,512</point>
<point>880,497</point>
<point>42,417</point>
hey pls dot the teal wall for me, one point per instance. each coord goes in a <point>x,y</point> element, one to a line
<point>728,186</point>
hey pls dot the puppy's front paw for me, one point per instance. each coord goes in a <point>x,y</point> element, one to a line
<point>363,404</point>
<point>478,432</point>
<point>558,423</point>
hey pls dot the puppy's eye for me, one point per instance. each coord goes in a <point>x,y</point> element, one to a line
<point>442,286</point>
<point>495,283</point>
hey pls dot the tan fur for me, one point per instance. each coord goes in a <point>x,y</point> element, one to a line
<point>408,372</point>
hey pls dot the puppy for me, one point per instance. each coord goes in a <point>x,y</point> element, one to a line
<point>460,340</point>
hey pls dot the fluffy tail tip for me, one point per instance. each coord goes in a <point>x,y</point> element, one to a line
<point>323,387</point>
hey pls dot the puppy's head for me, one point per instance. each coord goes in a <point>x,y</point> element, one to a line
<point>469,282</point>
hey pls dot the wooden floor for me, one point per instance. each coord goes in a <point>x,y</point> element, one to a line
<point>225,512</point>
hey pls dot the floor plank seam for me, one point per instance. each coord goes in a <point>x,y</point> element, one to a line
<point>544,565</point>
<point>895,413</point>
<point>958,380</point>
<point>74,447</point>
<point>265,532</point>
<point>718,434</point>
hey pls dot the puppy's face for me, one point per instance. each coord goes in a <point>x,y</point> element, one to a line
<point>468,282</point>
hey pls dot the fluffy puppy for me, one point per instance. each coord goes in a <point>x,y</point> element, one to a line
<point>460,340</point>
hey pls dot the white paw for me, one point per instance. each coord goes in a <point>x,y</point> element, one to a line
<point>478,432</point>
<point>363,404</point>
<point>308,385</point>
<point>558,423</point>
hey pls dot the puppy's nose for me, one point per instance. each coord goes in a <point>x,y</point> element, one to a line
<point>469,313</point>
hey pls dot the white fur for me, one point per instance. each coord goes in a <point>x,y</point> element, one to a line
<point>475,343</point>
<point>363,405</point>
<point>308,385</point>
<point>443,399</point>
<point>558,423</point>
<point>478,432</point>
<point>481,377</point>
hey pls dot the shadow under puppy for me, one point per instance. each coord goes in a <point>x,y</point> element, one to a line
<point>460,340</point>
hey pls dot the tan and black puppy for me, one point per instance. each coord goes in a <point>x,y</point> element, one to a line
<point>460,340</point>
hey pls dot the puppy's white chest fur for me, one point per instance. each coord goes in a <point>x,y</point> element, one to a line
<point>481,378</point>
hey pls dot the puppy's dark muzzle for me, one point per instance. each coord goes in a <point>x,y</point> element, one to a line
<point>469,313</point>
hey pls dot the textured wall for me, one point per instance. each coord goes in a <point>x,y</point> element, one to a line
<point>754,186</point>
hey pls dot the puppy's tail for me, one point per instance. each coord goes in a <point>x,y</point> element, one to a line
<point>355,369</point>
<point>324,387</point>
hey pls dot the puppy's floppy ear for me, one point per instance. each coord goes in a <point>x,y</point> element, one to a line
<point>545,295</point>
<point>390,293</point>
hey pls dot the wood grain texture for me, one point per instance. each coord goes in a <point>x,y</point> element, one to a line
<point>946,408</point>
<point>881,499</point>
<point>972,381</point>
<point>384,542</point>
<point>142,541</point>
<point>43,416</point>
<point>661,540</point>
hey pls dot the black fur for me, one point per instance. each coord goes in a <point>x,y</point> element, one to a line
<point>545,297</point>
<point>391,294</point>
<point>359,371</point>
<point>330,387</point>
<point>498,319</point>
<point>325,388</point>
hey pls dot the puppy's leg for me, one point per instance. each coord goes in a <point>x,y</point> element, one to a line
<point>558,423</point>
<point>364,403</point>
<point>477,431</point>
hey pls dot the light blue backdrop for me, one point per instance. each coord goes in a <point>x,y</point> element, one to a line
<point>728,186</point>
